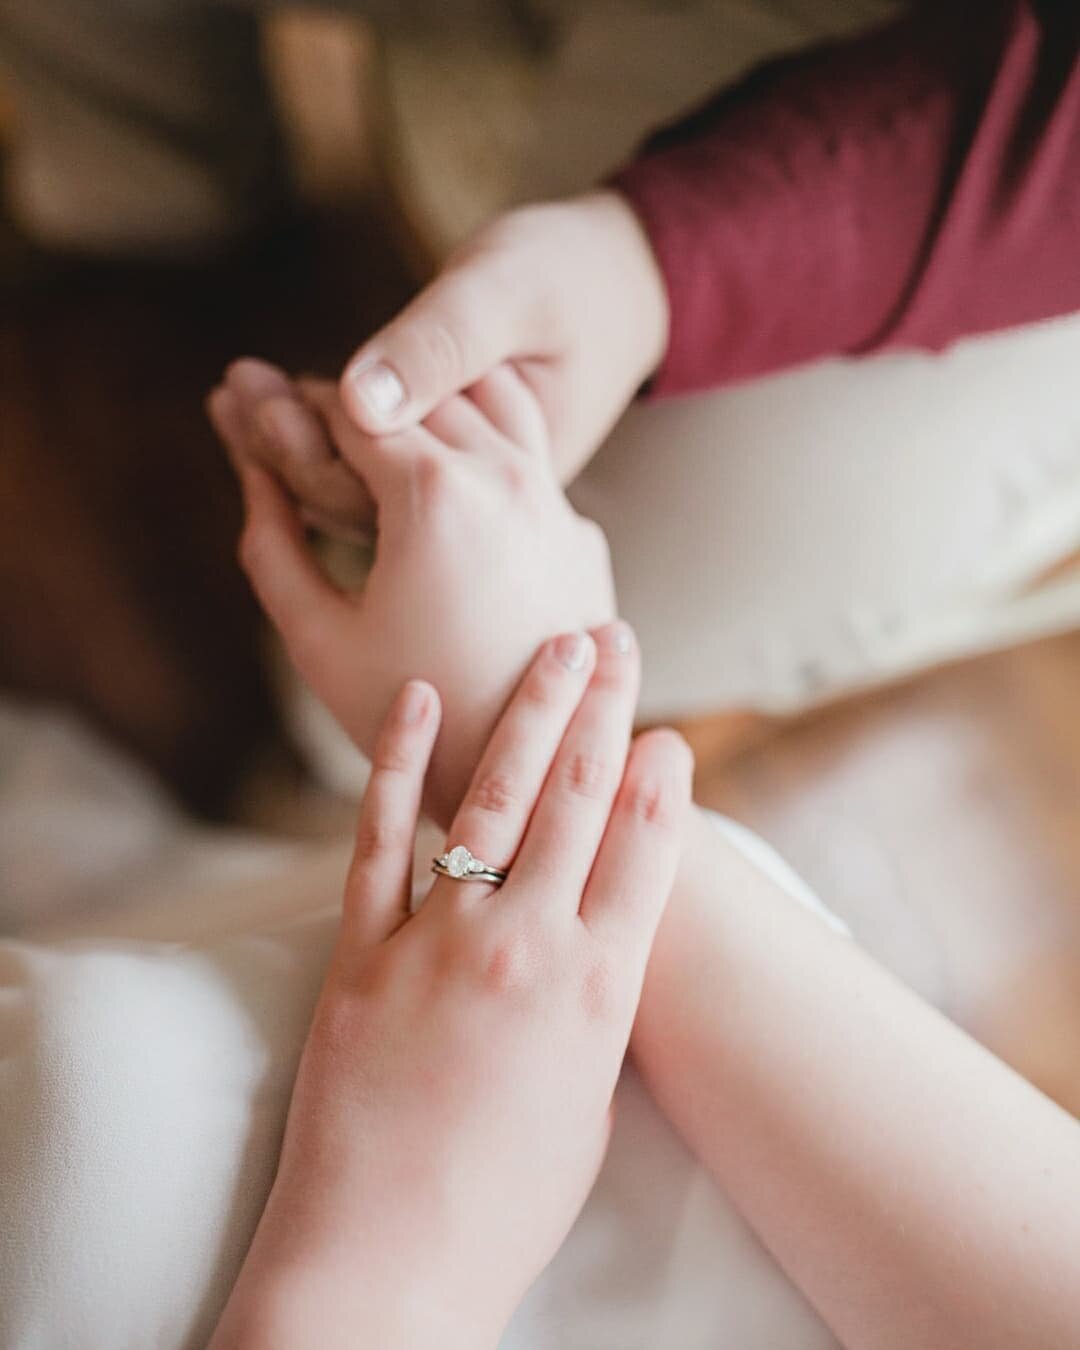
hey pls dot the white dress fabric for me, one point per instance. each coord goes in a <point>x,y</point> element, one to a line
<point>154,997</point>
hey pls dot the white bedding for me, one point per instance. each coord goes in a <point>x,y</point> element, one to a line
<point>152,1007</point>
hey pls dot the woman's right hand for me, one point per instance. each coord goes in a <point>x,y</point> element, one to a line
<point>453,1100</point>
<point>569,293</point>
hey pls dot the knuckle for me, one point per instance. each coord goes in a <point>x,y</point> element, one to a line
<point>512,965</point>
<point>493,793</point>
<point>539,688</point>
<point>445,344</point>
<point>432,483</point>
<point>648,800</point>
<point>657,782</point>
<point>392,754</point>
<point>585,774</point>
<point>378,838</point>
<point>517,476</point>
<point>506,968</point>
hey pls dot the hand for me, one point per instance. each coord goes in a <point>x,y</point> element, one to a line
<point>569,293</point>
<point>265,421</point>
<point>452,1104</point>
<point>478,559</point>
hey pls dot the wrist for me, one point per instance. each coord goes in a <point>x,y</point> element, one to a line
<point>691,913</point>
<point>320,1275</point>
<point>628,247</point>
<point>339,1306</point>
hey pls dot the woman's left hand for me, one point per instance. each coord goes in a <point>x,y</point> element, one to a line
<point>453,1101</point>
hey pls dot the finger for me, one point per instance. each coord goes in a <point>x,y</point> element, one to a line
<point>296,595</point>
<point>252,379</point>
<point>331,496</point>
<point>456,330</point>
<point>460,424</point>
<point>321,394</point>
<point>512,409</point>
<point>379,881</point>
<point>299,451</point>
<point>636,864</point>
<point>496,809</point>
<point>278,419</point>
<point>386,463</point>
<point>572,812</point>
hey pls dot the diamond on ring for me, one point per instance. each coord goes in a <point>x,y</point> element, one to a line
<point>460,865</point>
<point>459,862</point>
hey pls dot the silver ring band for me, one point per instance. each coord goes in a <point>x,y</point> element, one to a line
<point>459,864</point>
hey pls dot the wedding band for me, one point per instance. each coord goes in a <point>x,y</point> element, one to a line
<point>459,864</point>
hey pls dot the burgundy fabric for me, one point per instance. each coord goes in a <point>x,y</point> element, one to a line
<point>907,188</point>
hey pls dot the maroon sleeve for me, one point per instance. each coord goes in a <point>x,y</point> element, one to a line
<point>907,188</point>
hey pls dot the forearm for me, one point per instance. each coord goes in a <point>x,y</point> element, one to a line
<point>906,188</point>
<point>301,1313</point>
<point>916,1190</point>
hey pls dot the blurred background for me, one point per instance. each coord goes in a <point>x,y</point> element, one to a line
<point>936,804</point>
<point>118,514</point>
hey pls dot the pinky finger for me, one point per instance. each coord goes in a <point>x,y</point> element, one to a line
<point>635,867</point>
<point>377,889</point>
<point>512,409</point>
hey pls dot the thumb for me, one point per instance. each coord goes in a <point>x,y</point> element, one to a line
<point>456,330</point>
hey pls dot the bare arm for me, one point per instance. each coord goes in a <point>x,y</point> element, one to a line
<point>919,1192</point>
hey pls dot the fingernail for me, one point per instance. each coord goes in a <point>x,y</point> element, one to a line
<point>572,649</point>
<point>380,389</point>
<point>620,638</point>
<point>414,702</point>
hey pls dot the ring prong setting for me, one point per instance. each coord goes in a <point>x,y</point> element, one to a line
<point>459,862</point>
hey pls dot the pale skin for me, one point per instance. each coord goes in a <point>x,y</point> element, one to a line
<point>461,500</point>
<point>917,1191</point>
<point>568,293</point>
<point>452,1104</point>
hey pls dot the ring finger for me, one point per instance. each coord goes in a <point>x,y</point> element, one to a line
<point>492,819</point>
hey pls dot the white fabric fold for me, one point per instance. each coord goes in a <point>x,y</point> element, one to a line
<point>145,1073</point>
